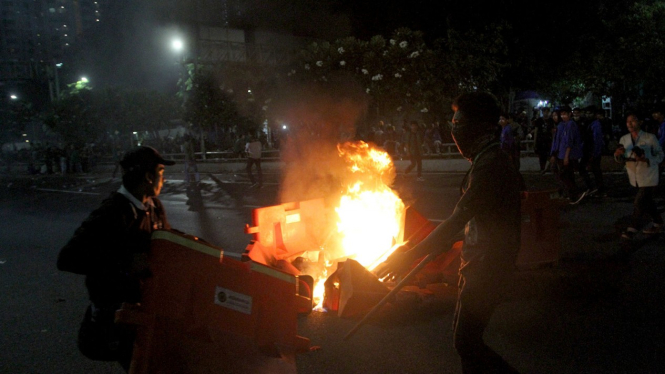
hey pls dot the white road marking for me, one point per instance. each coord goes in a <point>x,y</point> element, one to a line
<point>67,191</point>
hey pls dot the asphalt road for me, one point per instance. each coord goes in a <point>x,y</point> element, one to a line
<point>599,310</point>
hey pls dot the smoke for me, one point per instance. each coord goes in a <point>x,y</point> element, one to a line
<point>319,118</point>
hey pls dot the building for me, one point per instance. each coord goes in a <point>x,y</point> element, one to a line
<point>36,36</point>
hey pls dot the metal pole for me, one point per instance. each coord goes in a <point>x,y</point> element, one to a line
<point>57,81</point>
<point>390,294</point>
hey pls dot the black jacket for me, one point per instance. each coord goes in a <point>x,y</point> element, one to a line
<point>490,212</point>
<point>110,248</point>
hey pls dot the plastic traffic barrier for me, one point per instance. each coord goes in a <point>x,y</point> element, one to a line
<point>204,310</point>
<point>541,237</point>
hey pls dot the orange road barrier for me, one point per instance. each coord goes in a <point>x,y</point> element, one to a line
<point>205,310</point>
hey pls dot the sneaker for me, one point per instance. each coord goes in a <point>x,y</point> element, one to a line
<point>653,229</point>
<point>578,199</point>
<point>420,179</point>
<point>629,234</point>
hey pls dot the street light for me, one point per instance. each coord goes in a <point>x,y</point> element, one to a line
<point>177,45</point>
<point>13,97</point>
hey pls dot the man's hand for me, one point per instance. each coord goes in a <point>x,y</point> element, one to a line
<point>396,265</point>
<point>619,151</point>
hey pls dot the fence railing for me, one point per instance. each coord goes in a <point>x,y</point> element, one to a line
<point>446,150</point>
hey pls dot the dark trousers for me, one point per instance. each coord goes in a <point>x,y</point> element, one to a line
<point>592,164</point>
<point>478,297</point>
<point>257,162</point>
<point>416,161</point>
<point>566,174</point>
<point>644,205</point>
<point>542,160</point>
<point>191,166</point>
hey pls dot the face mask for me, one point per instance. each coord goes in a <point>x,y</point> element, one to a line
<point>469,137</point>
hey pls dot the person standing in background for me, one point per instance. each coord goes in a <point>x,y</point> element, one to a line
<point>190,159</point>
<point>641,153</point>
<point>253,149</point>
<point>414,147</point>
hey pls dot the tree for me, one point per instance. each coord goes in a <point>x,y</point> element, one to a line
<point>15,115</point>
<point>73,119</point>
<point>629,64</point>
<point>206,105</point>
<point>85,115</point>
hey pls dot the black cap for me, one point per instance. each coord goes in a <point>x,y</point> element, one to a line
<point>143,157</point>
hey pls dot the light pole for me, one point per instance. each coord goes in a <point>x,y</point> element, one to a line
<point>57,80</point>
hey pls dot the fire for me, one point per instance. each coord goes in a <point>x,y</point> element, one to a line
<point>369,222</point>
<point>370,214</point>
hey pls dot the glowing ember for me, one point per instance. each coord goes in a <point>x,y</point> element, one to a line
<point>370,214</point>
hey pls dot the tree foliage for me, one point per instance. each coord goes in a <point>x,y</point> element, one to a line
<point>15,115</point>
<point>91,115</point>
<point>206,104</point>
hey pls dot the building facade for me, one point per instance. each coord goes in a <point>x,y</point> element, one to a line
<point>37,35</point>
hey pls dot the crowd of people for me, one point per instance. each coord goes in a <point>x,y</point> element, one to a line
<point>394,139</point>
<point>65,159</point>
<point>571,142</point>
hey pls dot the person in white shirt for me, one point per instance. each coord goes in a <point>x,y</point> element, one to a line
<point>253,150</point>
<point>641,153</point>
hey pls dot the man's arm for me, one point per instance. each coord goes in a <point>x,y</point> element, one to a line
<point>476,199</point>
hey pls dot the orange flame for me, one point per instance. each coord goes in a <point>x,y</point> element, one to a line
<point>370,214</point>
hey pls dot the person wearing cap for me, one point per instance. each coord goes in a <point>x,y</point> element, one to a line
<point>488,212</point>
<point>110,248</point>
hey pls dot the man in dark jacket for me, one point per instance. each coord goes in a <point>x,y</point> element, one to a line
<point>110,248</point>
<point>489,211</point>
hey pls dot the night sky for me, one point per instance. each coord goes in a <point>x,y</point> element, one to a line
<point>133,46</point>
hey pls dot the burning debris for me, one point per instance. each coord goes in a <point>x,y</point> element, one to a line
<point>365,225</point>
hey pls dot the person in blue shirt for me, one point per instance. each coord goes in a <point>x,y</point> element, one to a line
<point>584,127</point>
<point>566,153</point>
<point>506,139</point>
<point>596,138</point>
